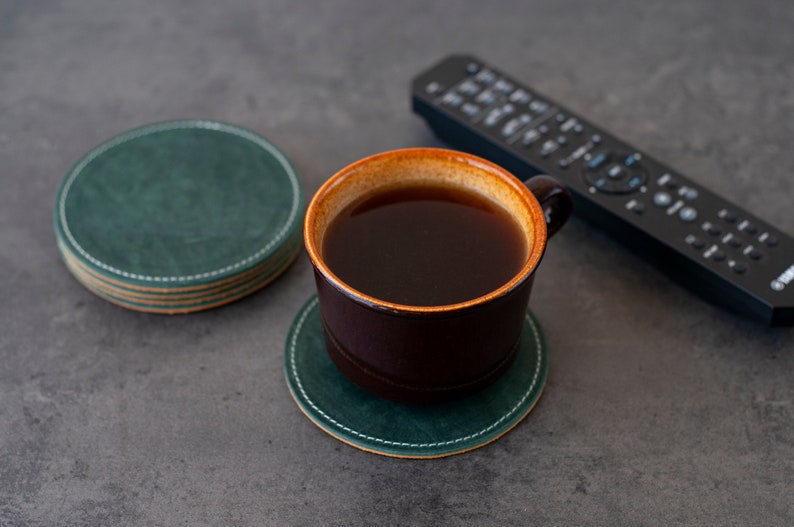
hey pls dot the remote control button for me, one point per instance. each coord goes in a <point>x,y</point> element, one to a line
<point>746,226</point>
<point>548,147</point>
<point>539,107</point>
<point>562,140</point>
<point>497,114</point>
<point>486,97</point>
<point>597,160</point>
<point>434,88</point>
<point>493,117</point>
<point>601,183</point>
<point>568,125</point>
<point>616,172</point>
<point>667,181</point>
<point>543,129</point>
<point>714,251</point>
<point>469,87</point>
<point>486,76</point>
<point>635,206</point>
<point>515,124</point>
<point>694,241</point>
<point>503,86</point>
<point>710,228</point>
<point>564,163</point>
<point>472,68</point>
<point>579,152</point>
<point>530,136</point>
<point>738,267</point>
<point>718,256</point>
<point>752,253</point>
<point>560,118</point>
<point>662,199</point>
<point>578,128</point>
<point>470,109</point>
<point>688,214</point>
<point>597,181</point>
<point>630,160</point>
<point>519,96</point>
<point>675,207</point>
<point>452,99</point>
<point>768,239</point>
<point>726,215</point>
<point>636,182</point>
<point>508,108</point>
<point>731,241</point>
<point>595,139</point>
<point>688,193</point>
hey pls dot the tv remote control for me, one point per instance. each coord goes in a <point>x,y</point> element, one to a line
<point>714,247</point>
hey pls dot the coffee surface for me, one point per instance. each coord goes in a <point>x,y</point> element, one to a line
<point>424,245</point>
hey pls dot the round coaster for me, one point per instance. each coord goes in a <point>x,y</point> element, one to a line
<point>384,427</point>
<point>178,204</point>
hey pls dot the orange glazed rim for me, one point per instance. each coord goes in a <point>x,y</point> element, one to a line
<point>414,165</point>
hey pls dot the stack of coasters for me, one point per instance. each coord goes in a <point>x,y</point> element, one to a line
<point>179,216</point>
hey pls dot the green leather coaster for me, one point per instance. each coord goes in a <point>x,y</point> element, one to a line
<point>402,430</point>
<point>181,301</point>
<point>178,203</point>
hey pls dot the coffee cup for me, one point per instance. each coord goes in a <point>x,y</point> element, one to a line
<point>424,261</point>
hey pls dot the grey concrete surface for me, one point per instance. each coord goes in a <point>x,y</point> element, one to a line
<point>660,409</point>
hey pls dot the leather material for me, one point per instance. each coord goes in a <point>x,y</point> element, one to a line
<point>390,428</point>
<point>179,216</point>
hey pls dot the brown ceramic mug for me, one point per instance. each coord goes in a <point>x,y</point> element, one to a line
<point>429,353</point>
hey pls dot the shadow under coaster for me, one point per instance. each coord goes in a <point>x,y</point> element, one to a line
<point>384,427</point>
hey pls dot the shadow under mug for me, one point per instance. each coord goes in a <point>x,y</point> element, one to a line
<point>424,354</point>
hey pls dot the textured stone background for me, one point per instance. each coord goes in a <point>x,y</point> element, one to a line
<point>660,409</point>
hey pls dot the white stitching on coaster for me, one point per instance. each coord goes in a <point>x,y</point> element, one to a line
<point>175,125</point>
<point>293,367</point>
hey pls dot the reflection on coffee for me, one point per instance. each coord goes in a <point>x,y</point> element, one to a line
<point>424,245</point>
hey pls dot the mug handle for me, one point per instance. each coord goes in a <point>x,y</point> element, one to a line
<point>555,200</point>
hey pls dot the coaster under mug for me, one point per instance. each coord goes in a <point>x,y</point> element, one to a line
<point>389,428</point>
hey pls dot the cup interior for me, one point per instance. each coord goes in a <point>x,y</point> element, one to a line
<point>409,167</point>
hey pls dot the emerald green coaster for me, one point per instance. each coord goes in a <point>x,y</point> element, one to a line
<point>177,302</point>
<point>178,204</point>
<point>403,430</point>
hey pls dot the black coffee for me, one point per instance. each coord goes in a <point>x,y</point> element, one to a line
<point>424,245</point>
